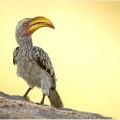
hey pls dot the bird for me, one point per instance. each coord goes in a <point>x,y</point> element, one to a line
<point>33,63</point>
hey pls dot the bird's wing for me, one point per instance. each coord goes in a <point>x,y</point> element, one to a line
<point>44,61</point>
<point>15,53</point>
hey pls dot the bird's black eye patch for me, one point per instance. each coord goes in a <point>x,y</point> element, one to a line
<point>25,24</point>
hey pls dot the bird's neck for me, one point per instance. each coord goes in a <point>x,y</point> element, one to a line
<point>25,42</point>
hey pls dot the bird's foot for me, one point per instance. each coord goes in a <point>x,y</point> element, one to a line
<point>41,103</point>
<point>25,97</point>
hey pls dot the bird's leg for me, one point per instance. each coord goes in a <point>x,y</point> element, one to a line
<point>25,95</point>
<point>42,101</point>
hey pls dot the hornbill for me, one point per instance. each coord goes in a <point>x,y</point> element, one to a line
<point>33,63</point>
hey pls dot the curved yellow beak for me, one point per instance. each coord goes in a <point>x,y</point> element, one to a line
<point>39,22</point>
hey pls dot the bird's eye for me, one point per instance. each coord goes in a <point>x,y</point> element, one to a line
<point>25,24</point>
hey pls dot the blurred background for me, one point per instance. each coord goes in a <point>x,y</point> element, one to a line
<point>84,49</point>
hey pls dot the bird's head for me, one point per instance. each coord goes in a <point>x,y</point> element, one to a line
<point>28,26</point>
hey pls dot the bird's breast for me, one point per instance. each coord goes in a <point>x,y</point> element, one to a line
<point>27,68</point>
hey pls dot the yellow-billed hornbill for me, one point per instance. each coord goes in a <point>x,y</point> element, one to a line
<point>33,63</point>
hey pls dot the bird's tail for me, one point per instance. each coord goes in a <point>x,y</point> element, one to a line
<point>55,99</point>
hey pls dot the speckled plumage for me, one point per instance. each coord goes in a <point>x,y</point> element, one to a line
<point>34,65</point>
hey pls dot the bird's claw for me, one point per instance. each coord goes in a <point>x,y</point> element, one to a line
<point>41,103</point>
<point>25,97</point>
